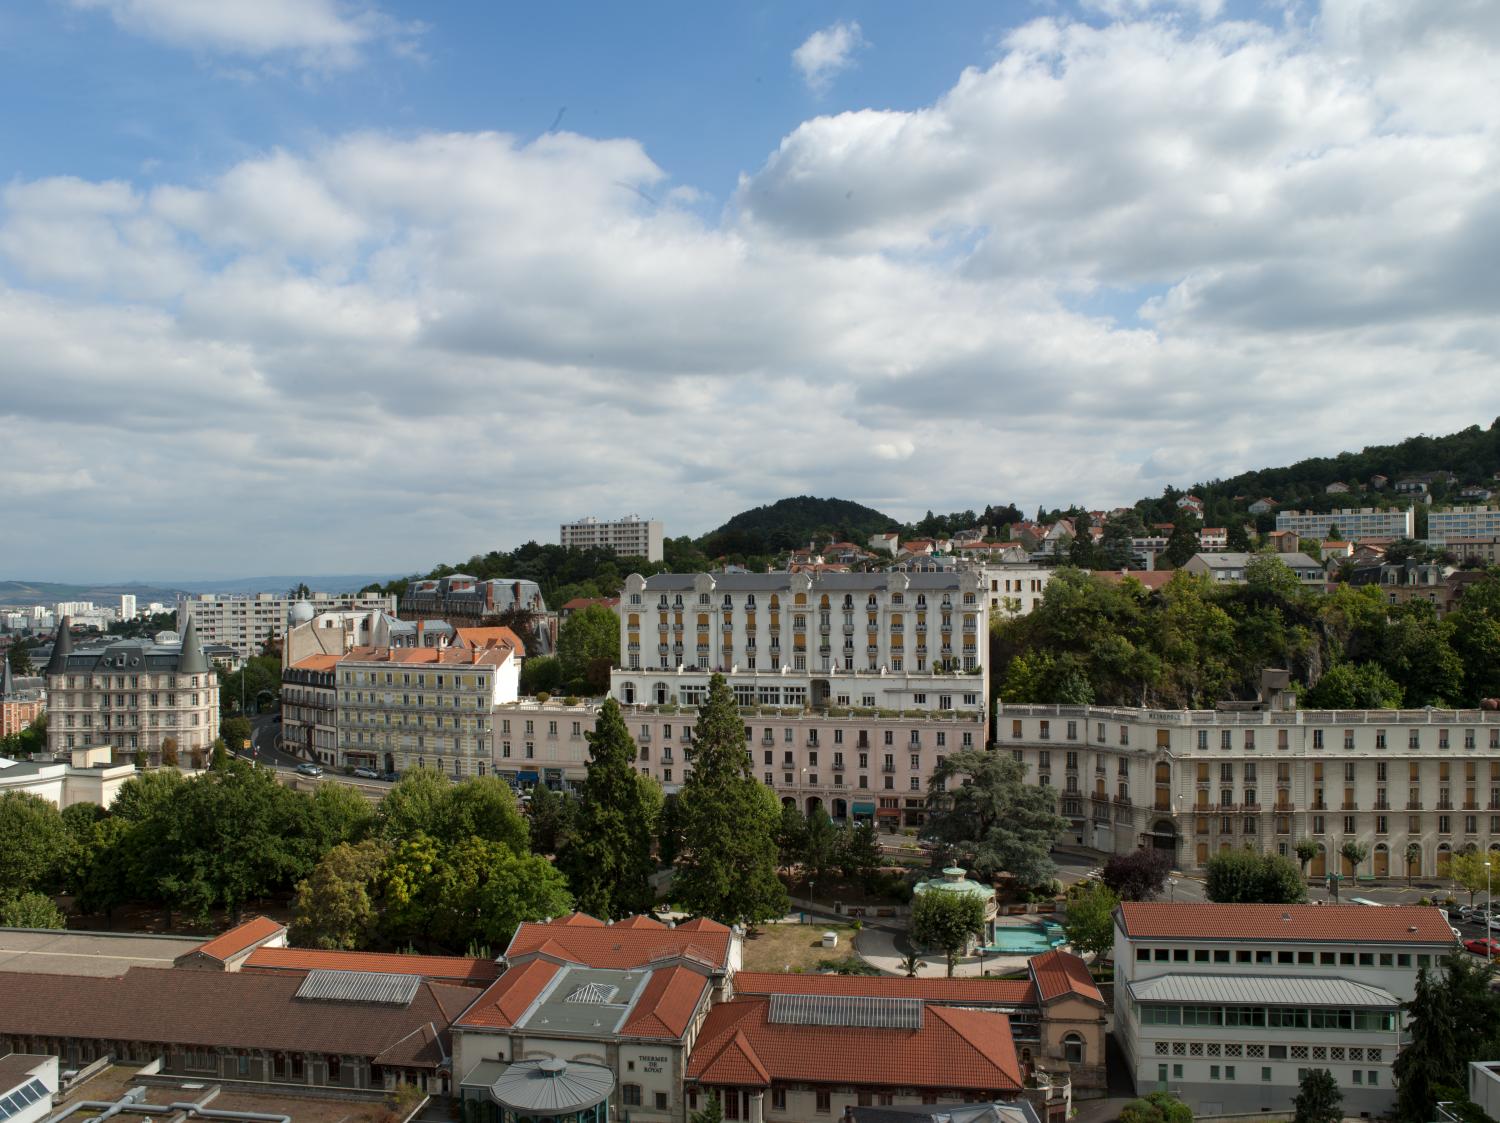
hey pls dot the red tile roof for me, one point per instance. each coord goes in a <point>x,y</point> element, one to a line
<point>583,940</point>
<point>495,636</point>
<point>954,1048</point>
<point>579,920</point>
<point>442,656</point>
<point>703,924</point>
<point>450,969</point>
<point>317,663</point>
<point>959,991</point>
<point>1061,973</point>
<point>226,946</point>
<point>1397,924</point>
<point>234,1010</point>
<point>502,1005</point>
<point>666,1005</point>
<point>640,921</point>
<point>578,604</point>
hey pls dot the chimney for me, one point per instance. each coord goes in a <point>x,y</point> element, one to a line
<point>1276,694</point>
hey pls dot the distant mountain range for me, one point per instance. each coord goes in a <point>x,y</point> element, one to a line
<point>108,592</point>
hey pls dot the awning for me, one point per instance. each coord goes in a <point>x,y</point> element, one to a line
<point>889,812</point>
<point>532,776</point>
<point>864,808</point>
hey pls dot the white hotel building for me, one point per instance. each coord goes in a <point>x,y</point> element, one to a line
<point>1198,781</point>
<point>1225,1006</point>
<point>853,686</point>
<point>630,537</point>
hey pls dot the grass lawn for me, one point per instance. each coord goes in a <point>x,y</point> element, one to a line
<point>779,947</point>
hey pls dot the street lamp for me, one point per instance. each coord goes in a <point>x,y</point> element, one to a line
<point>1489,914</point>
<point>1171,889</point>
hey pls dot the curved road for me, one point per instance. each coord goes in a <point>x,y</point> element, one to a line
<point>265,753</point>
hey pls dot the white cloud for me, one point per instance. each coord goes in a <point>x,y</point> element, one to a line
<point>825,54</point>
<point>318,33</point>
<point>389,351</point>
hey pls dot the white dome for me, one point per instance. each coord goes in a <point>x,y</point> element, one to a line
<point>301,613</point>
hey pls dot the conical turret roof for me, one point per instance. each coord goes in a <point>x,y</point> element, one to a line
<point>62,648</point>
<point>192,661</point>
<point>7,683</point>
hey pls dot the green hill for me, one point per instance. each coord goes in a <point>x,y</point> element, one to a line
<point>788,523</point>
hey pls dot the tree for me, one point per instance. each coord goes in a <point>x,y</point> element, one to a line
<point>947,921</point>
<point>1354,686</point>
<point>552,818</point>
<point>586,639</point>
<point>1318,1098</point>
<point>1354,852</point>
<point>726,868</point>
<point>483,807</point>
<point>1090,920</point>
<point>1248,876</point>
<point>541,674</point>
<point>1306,849</point>
<point>1156,1107</point>
<point>414,804</point>
<point>1413,856</point>
<point>34,843</point>
<point>337,814</point>
<point>1238,538</point>
<point>1467,868</point>
<point>169,752</point>
<point>607,860</point>
<point>820,843</point>
<point>1269,576</point>
<point>236,731</point>
<point>337,904</point>
<point>1139,875</point>
<point>1432,1054</point>
<point>31,910</point>
<point>981,809</point>
<point>791,836</point>
<point>712,1111</point>
<point>1419,656</point>
<point>857,850</point>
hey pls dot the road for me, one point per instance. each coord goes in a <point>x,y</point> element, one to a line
<point>265,753</point>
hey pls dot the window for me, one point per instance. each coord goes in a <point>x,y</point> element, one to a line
<point>778,1099</point>
<point>661,1100</point>
<point>823,1101</point>
<point>631,1093</point>
<point>1073,1049</point>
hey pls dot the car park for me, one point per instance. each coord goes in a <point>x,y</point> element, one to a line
<point>309,770</point>
<point>1486,946</point>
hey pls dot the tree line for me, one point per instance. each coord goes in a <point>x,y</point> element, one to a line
<point>1194,643</point>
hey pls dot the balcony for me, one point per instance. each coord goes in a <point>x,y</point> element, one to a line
<point>1349,805</point>
<point>887,768</point>
<point>1319,806</point>
<point>1382,805</point>
<point>1253,808</point>
<point>1161,805</point>
<point>1471,807</point>
<point>1414,805</point>
<point>1445,805</point>
<point>1122,800</point>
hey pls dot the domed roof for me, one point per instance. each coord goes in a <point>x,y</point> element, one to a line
<point>552,1086</point>
<point>954,881</point>
<point>301,613</point>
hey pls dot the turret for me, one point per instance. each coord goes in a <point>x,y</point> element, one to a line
<point>62,648</point>
<point>192,661</point>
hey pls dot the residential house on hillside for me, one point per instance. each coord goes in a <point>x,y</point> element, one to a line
<point>1379,482</point>
<point>1230,567</point>
<point>1262,507</point>
<point>1191,503</point>
<point>886,542</point>
<point>1476,492</point>
<point>1336,488</point>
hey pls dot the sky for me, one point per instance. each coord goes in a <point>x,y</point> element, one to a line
<point>362,285</point>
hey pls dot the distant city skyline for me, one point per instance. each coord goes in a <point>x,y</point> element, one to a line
<point>373,285</point>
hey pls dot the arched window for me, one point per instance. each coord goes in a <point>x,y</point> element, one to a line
<point>660,690</point>
<point>630,693</point>
<point>1073,1049</point>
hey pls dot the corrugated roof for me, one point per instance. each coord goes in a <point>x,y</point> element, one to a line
<point>1344,924</point>
<point>359,986</point>
<point>1260,990</point>
<point>845,1010</point>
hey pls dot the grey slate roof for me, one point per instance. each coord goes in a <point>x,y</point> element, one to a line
<point>1262,990</point>
<point>129,656</point>
<point>775,582</point>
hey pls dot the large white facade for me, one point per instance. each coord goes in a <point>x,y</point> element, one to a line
<point>1200,781</point>
<point>1463,522</point>
<point>1225,1006</point>
<point>1352,523</point>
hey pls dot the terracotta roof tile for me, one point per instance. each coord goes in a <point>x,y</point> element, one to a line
<point>995,992</point>
<point>639,921</point>
<point>588,942</point>
<point>954,1048</point>
<point>317,663</point>
<point>1397,924</point>
<point>702,924</point>
<point>485,637</point>
<point>579,920</point>
<point>510,996</point>
<point>1059,973</point>
<point>251,932</point>
<point>230,1009</point>
<point>665,1006</point>
<point>442,968</point>
<point>442,656</point>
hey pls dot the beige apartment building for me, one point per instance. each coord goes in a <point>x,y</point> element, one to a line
<point>245,623</point>
<point>422,707</point>
<point>131,695</point>
<point>1195,782</point>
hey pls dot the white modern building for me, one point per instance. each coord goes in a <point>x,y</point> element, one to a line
<point>1226,1006</point>
<point>127,606</point>
<point>245,623</point>
<point>629,537</point>
<point>1463,522</point>
<point>1352,523</point>
<point>1014,588</point>
<point>1194,782</point>
<point>1232,567</point>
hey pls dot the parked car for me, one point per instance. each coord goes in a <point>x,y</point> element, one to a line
<point>309,770</point>
<point>1484,945</point>
<point>390,777</point>
<point>367,773</point>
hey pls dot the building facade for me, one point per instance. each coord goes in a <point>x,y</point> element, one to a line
<point>247,622</point>
<point>1352,522</point>
<point>1194,782</point>
<point>420,707</point>
<point>1225,1006</point>
<point>1014,589</point>
<point>20,703</point>
<point>629,537</point>
<point>309,709</point>
<point>1232,567</point>
<point>1463,522</point>
<point>131,695</point>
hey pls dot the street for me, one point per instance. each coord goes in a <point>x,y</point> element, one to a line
<point>265,753</point>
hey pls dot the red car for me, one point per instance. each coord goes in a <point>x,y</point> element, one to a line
<point>1486,946</point>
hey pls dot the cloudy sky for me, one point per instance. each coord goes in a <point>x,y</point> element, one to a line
<point>334,285</point>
